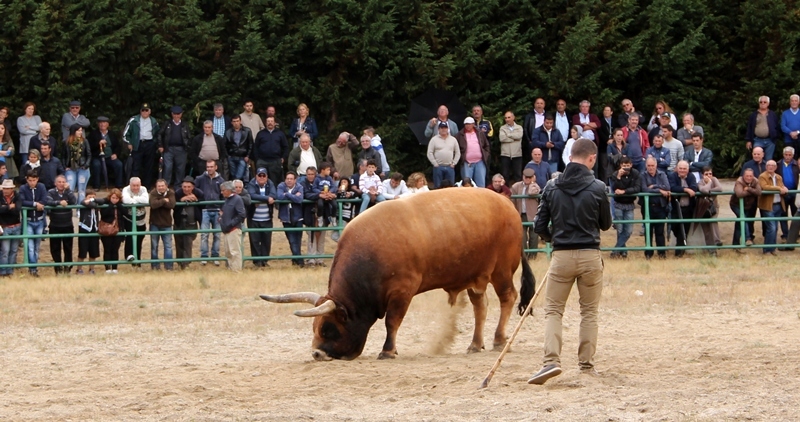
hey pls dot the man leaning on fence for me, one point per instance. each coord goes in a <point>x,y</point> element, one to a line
<point>162,201</point>
<point>771,203</point>
<point>231,218</point>
<point>259,215</point>
<point>10,225</point>
<point>186,217</point>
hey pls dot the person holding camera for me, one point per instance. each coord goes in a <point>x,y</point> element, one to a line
<point>624,183</point>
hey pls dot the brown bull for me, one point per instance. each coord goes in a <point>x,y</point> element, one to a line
<point>452,239</point>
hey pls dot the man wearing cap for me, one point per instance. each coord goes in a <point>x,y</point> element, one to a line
<point>474,149</point>
<point>72,117</point>
<point>173,144</point>
<point>271,149</point>
<point>105,146</point>
<point>140,141</point>
<point>259,215</point>
<point>340,154</point>
<point>209,146</point>
<point>526,207</point>
<point>656,128</point>
<point>186,217</point>
<point>443,154</point>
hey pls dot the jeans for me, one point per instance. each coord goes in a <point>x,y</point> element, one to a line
<point>174,163</point>
<point>238,169</point>
<point>768,145</point>
<point>365,199</point>
<point>476,172</point>
<point>210,221</point>
<point>8,249</point>
<point>34,227</point>
<point>624,230</point>
<point>78,179</point>
<point>553,167</point>
<point>295,239</point>
<point>770,237</point>
<point>154,239</point>
<point>111,165</point>
<point>737,232</point>
<point>443,172</point>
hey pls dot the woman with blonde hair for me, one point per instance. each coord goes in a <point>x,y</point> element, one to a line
<point>303,124</point>
<point>660,108</point>
<point>416,183</point>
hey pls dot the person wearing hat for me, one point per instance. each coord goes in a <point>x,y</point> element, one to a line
<point>105,147</point>
<point>658,129</point>
<point>73,116</point>
<point>526,207</point>
<point>186,217</point>
<point>139,146</point>
<point>10,206</point>
<point>443,153</point>
<point>474,147</point>
<point>259,215</point>
<point>173,144</point>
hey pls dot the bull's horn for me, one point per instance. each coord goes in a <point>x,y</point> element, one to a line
<point>326,307</point>
<point>300,297</point>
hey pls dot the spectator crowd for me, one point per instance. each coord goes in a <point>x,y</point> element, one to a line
<point>232,173</point>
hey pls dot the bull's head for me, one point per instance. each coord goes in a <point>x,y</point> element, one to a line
<point>336,335</point>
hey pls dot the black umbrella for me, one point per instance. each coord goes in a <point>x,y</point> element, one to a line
<point>424,108</point>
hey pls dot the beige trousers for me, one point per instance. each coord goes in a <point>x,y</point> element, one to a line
<point>567,267</point>
<point>232,242</point>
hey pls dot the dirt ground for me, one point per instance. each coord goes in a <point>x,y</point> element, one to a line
<point>707,339</point>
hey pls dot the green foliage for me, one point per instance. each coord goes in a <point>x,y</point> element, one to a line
<point>358,63</point>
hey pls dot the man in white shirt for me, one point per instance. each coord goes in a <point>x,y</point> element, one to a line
<point>394,187</point>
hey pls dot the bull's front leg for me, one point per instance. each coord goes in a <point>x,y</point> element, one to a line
<point>395,312</point>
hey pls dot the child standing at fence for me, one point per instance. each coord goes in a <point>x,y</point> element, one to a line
<point>87,217</point>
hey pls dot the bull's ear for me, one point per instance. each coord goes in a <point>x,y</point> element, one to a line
<point>341,313</point>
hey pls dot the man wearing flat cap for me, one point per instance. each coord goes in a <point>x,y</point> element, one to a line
<point>173,145</point>
<point>105,146</point>
<point>186,217</point>
<point>140,141</point>
<point>72,117</point>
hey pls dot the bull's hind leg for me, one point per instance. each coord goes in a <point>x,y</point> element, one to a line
<point>504,287</point>
<point>395,312</point>
<point>478,299</point>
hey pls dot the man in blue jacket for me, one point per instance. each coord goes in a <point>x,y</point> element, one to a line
<point>550,141</point>
<point>763,129</point>
<point>34,195</point>
<point>291,214</point>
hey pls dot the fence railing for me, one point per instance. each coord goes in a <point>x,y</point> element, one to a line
<point>136,231</point>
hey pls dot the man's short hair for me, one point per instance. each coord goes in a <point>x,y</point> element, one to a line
<point>583,148</point>
<point>585,102</point>
<point>369,129</point>
<point>61,176</point>
<point>748,170</point>
<point>625,160</point>
<point>668,127</point>
<point>292,172</point>
<point>397,176</point>
<point>134,179</point>
<point>209,123</point>
<point>324,165</point>
<point>788,149</point>
<point>218,105</point>
<point>237,183</point>
<point>236,117</point>
<point>697,135</point>
<point>226,186</point>
<point>32,174</point>
<point>162,180</point>
<point>371,163</point>
<point>312,169</point>
<point>794,97</point>
<point>549,116</point>
<point>363,162</point>
<point>211,162</point>
<point>706,168</point>
<point>2,164</point>
<point>248,100</point>
<point>498,176</point>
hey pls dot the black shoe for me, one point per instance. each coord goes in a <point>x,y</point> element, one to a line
<point>545,374</point>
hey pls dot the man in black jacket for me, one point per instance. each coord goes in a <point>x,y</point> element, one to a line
<point>105,146</point>
<point>186,217</point>
<point>577,206</point>
<point>271,149</point>
<point>624,182</point>
<point>239,146</point>
<point>61,222</point>
<point>209,146</point>
<point>173,144</point>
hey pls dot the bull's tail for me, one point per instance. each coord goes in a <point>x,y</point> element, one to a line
<point>527,287</point>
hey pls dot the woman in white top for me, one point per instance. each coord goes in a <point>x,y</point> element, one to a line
<point>575,133</point>
<point>416,184</point>
<point>661,108</point>
<point>28,125</point>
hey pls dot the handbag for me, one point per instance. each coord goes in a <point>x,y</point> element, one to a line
<point>108,229</point>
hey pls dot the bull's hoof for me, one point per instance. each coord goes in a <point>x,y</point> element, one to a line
<point>499,347</point>
<point>473,348</point>
<point>387,355</point>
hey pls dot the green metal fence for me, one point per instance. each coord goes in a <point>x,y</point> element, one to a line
<point>546,249</point>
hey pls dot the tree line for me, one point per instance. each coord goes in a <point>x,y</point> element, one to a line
<point>359,63</point>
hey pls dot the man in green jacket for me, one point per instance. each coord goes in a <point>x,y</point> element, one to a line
<point>140,138</point>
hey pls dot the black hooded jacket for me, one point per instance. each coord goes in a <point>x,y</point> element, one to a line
<point>577,205</point>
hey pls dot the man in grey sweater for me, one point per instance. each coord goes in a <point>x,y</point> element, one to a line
<point>443,153</point>
<point>230,219</point>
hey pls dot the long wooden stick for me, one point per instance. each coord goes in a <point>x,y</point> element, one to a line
<point>510,340</point>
